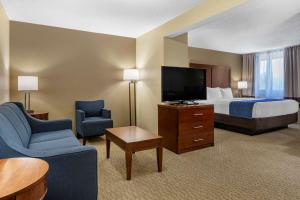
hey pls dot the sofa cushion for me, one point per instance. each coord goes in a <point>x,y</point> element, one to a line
<point>53,140</point>
<point>52,135</point>
<point>91,108</point>
<point>14,124</point>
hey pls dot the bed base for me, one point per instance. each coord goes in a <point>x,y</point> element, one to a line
<point>254,126</point>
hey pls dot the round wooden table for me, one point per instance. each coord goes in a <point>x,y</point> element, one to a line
<point>23,178</point>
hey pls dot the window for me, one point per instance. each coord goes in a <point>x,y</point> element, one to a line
<point>269,75</point>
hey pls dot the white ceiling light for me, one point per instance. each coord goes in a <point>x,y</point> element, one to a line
<point>129,18</point>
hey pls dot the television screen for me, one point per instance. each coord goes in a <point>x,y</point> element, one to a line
<point>180,83</point>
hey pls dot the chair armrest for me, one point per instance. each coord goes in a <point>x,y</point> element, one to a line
<point>38,126</point>
<point>106,113</point>
<point>80,115</point>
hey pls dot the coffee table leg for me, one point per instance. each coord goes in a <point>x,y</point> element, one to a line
<point>107,148</point>
<point>128,155</point>
<point>159,154</point>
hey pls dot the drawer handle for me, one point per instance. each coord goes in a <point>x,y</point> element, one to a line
<point>198,114</point>
<point>197,127</point>
<point>198,140</point>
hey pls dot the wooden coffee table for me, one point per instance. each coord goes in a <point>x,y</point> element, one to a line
<point>23,178</point>
<point>132,139</point>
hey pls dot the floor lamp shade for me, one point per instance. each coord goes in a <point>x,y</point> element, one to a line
<point>130,75</point>
<point>28,83</point>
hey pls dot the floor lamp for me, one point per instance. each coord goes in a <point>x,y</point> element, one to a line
<point>27,84</point>
<point>131,75</point>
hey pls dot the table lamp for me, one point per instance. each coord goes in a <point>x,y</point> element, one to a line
<point>27,84</point>
<point>242,85</point>
<point>131,75</point>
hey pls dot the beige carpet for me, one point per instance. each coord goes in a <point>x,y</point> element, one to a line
<point>237,167</point>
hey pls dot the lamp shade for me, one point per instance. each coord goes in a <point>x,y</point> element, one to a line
<point>28,83</point>
<point>130,75</point>
<point>242,85</point>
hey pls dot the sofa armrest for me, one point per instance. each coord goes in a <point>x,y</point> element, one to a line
<point>38,126</point>
<point>106,113</point>
<point>73,174</point>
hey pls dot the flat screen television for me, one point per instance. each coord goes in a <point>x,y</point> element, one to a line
<point>183,84</point>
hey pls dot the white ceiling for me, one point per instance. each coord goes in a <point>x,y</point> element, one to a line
<point>129,18</point>
<point>257,25</point>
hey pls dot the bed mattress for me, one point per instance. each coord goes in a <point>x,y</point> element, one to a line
<point>260,109</point>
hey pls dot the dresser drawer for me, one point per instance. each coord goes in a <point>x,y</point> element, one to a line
<point>196,114</point>
<point>196,127</point>
<point>195,139</point>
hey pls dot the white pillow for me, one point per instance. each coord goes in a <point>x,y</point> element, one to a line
<point>214,93</point>
<point>226,93</point>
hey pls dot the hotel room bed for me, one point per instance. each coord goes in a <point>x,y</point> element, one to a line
<point>264,116</point>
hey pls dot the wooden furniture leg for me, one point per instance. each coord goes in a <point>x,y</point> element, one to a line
<point>128,164</point>
<point>107,148</point>
<point>159,154</point>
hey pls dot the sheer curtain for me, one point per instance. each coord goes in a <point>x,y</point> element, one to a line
<point>269,75</point>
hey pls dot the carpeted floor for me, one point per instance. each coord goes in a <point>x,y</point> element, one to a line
<point>238,167</point>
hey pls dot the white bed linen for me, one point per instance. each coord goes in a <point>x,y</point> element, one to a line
<point>260,109</point>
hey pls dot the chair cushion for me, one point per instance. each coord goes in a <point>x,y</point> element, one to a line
<point>96,119</point>
<point>96,125</point>
<point>53,140</point>
<point>14,124</point>
<point>91,108</point>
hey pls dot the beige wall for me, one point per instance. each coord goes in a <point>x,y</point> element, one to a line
<point>4,56</point>
<point>176,51</point>
<point>71,65</point>
<point>150,56</point>
<point>205,56</point>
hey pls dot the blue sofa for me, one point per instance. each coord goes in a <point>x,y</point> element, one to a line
<point>92,118</point>
<point>72,167</point>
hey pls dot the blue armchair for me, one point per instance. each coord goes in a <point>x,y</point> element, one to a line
<point>92,119</point>
<point>72,167</point>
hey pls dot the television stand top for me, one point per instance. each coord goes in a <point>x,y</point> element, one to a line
<point>184,106</point>
<point>181,102</point>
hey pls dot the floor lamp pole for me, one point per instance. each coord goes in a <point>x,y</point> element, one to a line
<point>130,103</point>
<point>29,101</point>
<point>134,87</point>
<point>25,101</point>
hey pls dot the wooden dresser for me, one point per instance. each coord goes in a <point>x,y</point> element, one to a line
<point>186,127</point>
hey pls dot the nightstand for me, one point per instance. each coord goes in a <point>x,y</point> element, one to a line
<point>40,115</point>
